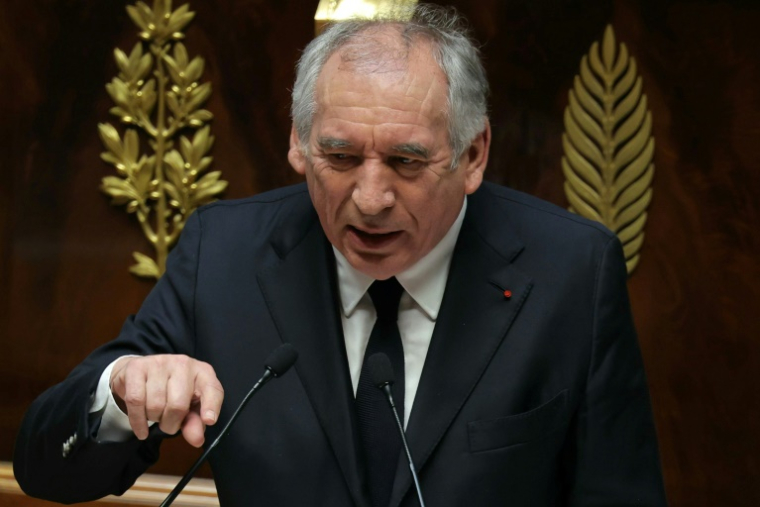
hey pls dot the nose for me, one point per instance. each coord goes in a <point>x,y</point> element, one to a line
<point>373,191</point>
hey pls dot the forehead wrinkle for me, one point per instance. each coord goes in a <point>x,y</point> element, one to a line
<point>343,128</point>
<point>400,118</point>
<point>433,94</point>
<point>430,104</point>
<point>410,98</point>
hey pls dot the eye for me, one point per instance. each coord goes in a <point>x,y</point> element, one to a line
<point>341,160</point>
<point>406,166</point>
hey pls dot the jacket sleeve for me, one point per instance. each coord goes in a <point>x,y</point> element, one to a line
<point>614,457</point>
<point>56,456</point>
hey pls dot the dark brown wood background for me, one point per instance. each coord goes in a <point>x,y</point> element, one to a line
<point>64,251</point>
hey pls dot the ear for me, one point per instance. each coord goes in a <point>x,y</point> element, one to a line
<point>296,155</point>
<point>475,159</point>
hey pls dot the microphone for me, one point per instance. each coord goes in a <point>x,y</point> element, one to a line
<point>278,362</point>
<point>381,373</point>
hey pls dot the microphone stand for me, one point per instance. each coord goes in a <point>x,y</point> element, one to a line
<point>387,390</point>
<point>268,375</point>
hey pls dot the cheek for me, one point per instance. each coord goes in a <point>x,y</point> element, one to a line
<point>433,197</point>
<point>328,193</point>
<point>435,206</point>
<point>318,183</point>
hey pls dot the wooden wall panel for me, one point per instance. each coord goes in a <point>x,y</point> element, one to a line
<point>697,300</point>
<point>64,250</point>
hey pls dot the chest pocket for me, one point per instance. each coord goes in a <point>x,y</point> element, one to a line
<point>520,428</point>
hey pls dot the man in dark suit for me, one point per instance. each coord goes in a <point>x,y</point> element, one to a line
<point>523,383</point>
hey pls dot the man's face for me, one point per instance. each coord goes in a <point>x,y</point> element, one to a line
<point>379,167</point>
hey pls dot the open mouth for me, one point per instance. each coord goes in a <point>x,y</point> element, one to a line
<point>373,240</point>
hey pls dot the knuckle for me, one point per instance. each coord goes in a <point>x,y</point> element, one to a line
<point>181,360</point>
<point>160,361</point>
<point>214,389</point>
<point>136,365</point>
<point>154,406</point>
<point>206,369</point>
<point>176,407</point>
<point>156,398</point>
<point>216,386</point>
<point>134,399</point>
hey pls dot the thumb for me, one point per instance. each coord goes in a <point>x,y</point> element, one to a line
<point>193,428</point>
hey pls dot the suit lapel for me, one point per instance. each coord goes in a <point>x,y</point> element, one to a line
<point>473,320</point>
<point>302,299</point>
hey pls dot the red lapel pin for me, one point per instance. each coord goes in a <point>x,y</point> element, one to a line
<point>507,294</point>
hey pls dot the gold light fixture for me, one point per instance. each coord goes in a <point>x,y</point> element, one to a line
<point>158,95</point>
<point>330,11</point>
<point>608,145</point>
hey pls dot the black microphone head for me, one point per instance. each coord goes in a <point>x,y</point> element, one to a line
<point>380,370</point>
<point>281,359</point>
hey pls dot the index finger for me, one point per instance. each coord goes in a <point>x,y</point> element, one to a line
<point>211,395</point>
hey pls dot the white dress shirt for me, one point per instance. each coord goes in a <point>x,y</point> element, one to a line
<point>424,284</point>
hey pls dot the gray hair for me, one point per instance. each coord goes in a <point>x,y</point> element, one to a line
<point>453,50</point>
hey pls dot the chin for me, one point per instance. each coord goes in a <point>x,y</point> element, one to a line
<point>380,269</point>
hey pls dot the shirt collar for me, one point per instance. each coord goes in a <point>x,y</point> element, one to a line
<point>425,281</point>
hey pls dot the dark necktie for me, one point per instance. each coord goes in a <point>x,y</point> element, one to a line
<point>377,426</point>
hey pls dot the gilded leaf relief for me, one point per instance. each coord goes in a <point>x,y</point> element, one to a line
<point>608,145</point>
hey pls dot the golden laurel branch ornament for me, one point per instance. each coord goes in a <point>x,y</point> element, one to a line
<point>157,94</point>
<point>608,145</point>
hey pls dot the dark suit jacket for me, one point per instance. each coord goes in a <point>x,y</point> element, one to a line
<point>535,399</point>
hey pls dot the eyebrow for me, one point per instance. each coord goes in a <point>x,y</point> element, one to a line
<point>332,143</point>
<point>412,149</point>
